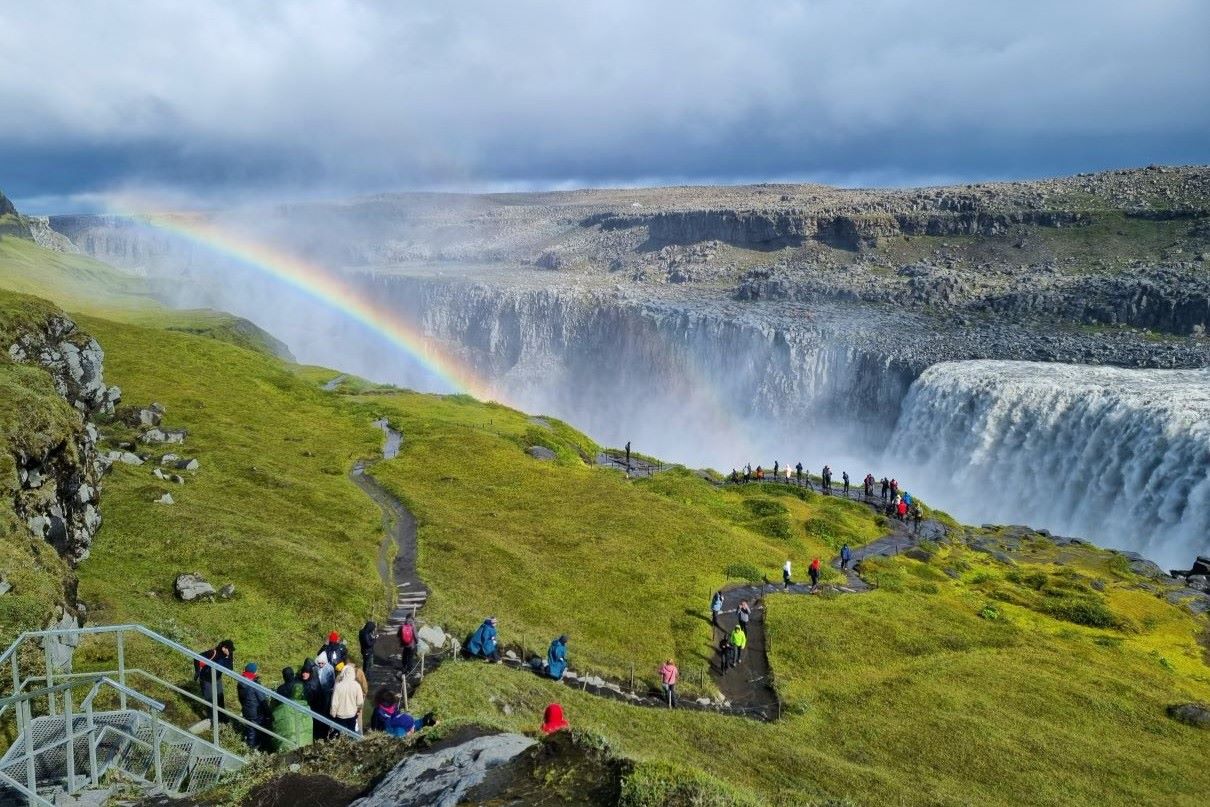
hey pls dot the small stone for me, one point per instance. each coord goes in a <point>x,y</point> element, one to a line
<point>541,453</point>
<point>5,586</point>
<point>227,591</point>
<point>168,459</point>
<point>130,459</point>
<point>191,586</point>
<point>702,701</point>
<point>510,655</point>
<point>186,465</point>
<point>165,499</point>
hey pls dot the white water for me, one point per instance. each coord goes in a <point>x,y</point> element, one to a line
<point>1118,456</point>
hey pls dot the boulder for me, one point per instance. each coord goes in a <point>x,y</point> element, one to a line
<point>919,553</point>
<point>1201,566</point>
<point>443,777</point>
<point>432,635</point>
<point>1145,568</point>
<point>227,591</point>
<point>165,499</point>
<point>192,586</point>
<point>540,453</point>
<point>5,586</point>
<point>168,459</point>
<point>186,465</point>
<point>157,435</point>
<point>128,458</point>
<point>1191,714</point>
<point>1200,582</point>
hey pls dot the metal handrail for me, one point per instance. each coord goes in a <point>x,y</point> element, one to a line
<point>31,795</point>
<point>25,695</point>
<point>127,691</point>
<point>218,669</point>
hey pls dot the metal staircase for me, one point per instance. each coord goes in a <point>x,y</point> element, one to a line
<point>64,748</point>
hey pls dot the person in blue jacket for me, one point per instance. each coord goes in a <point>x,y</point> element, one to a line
<point>556,658</point>
<point>846,555</point>
<point>483,641</point>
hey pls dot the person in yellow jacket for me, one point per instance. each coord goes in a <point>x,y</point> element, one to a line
<point>347,697</point>
<point>739,640</point>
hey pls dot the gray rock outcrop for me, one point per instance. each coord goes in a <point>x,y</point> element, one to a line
<point>193,586</point>
<point>441,778</point>
<point>1191,714</point>
<point>541,453</point>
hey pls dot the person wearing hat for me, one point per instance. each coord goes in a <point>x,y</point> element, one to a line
<point>556,658</point>
<point>254,706</point>
<point>553,720</point>
<point>336,650</point>
<point>483,642</point>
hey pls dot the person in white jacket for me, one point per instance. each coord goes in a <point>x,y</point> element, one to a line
<point>785,574</point>
<point>347,698</point>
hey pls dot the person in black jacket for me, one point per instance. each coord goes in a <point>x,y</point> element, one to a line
<point>319,699</point>
<point>336,650</point>
<point>254,706</point>
<point>366,638</point>
<point>223,654</point>
<point>289,683</point>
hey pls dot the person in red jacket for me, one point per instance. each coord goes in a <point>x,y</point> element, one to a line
<point>814,571</point>
<point>553,720</point>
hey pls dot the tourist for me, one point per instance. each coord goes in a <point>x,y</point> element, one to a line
<point>289,723</point>
<point>813,570</point>
<point>553,720</point>
<point>716,609</point>
<point>734,476</point>
<point>901,510</point>
<point>760,474</point>
<point>628,455</point>
<point>786,473</point>
<point>365,639</point>
<point>894,487</point>
<point>917,515</point>
<point>668,677</point>
<point>846,555</point>
<point>388,717</point>
<point>319,699</point>
<point>845,477</point>
<point>556,658</point>
<point>786,582</point>
<point>482,643</point>
<point>325,672</point>
<point>254,706</point>
<point>724,652</point>
<point>407,645</point>
<point>886,486</point>
<point>223,655</point>
<point>743,614</point>
<point>347,698</point>
<point>826,474</point>
<point>739,641</point>
<point>335,650</point>
<point>362,681</point>
<point>798,473</point>
<point>776,466</point>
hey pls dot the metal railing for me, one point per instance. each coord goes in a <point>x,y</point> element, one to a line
<point>52,685</point>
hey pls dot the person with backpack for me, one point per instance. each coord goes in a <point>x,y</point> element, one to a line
<point>716,609</point>
<point>846,555</point>
<point>743,614</point>
<point>798,473</point>
<point>482,643</point>
<point>813,570</point>
<point>347,698</point>
<point>254,707</point>
<point>290,724</point>
<point>335,650</point>
<point>844,476</point>
<point>407,644</point>
<point>553,719</point>
<point>668,678</point>
<point>739,641</point>
<point>365,639</point>
<point>724,652</point>
<point>886,487</point>
<point>223,655</point>
<point>556,658</point>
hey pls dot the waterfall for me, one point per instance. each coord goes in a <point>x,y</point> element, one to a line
<point>1118,456</point>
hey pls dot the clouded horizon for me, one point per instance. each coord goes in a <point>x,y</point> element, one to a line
<point>333,97</point>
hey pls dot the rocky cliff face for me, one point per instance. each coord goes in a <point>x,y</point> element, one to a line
<point>57,472</point>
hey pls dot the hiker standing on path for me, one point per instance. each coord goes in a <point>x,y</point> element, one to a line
<point>628,456</point>
<point>319,700</point>
<point>775,469</point>
<point>223,655</point>
<point>668,676</point>
<point>846,555</point>
<point>739,641</point>
<point>553,720</point>
<point>798,473</point>
<point>325,672</point>
<point>407,644</point>
<point>724,652</point>
<point>716,609</point>
<point>886,486</point>
<point>827,479</point>
<point>845,477</point>
<point>365,639</point>
<point>813,570</point>
<point>347,698</point>
<point>254,706</point>
<point>917,515</point>
<point>742,615</point>
<point>483,641</point>
<point>289,723</point>
<point>556,658</point>
<point>786,582</point>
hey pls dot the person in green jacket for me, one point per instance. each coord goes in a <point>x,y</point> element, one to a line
<point>739,640</point>
<point>292,724</point>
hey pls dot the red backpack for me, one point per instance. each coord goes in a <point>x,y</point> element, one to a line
<point>407,635</point>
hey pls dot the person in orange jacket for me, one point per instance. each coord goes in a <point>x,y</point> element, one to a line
<point>814,571</point>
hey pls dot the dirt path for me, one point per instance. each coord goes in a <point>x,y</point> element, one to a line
<point>406,592</point>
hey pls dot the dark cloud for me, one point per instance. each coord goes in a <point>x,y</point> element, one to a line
<point>230,97</point>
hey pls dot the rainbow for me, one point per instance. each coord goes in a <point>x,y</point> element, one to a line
<point>329,289</point>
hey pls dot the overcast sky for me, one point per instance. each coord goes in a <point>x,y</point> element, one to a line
<point>333,97</point>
